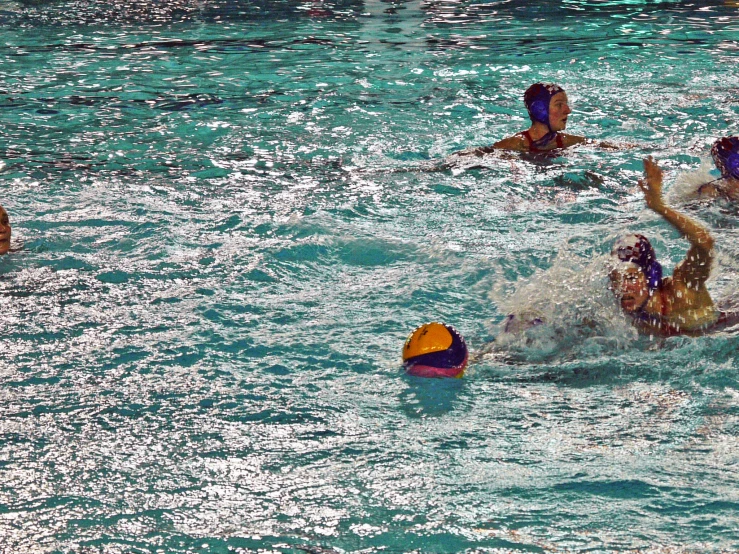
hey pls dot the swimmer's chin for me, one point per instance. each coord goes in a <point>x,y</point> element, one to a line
<point>628,304</point>
<point>6,247</point>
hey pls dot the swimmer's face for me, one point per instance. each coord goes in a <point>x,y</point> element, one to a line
<point>4,231</point>
<point>630,287</point>
<point>559,109</point>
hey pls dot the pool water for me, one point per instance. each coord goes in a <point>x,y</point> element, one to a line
<point>229,215</point>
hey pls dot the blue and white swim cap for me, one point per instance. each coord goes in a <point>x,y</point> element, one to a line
<point>537,98</point>
<point>725,154</point>
<point>636,249</point>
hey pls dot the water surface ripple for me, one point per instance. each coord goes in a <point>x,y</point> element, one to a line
<point>228,215</point>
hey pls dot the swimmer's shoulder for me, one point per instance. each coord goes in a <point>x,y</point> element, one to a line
<point>516,142</point>
<point>683,309</point>
<point>728,190</point>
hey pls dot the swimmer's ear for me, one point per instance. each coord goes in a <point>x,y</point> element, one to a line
<point>539,111</point>
<point>732,164</point>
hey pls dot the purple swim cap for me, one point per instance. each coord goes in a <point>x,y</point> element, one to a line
<point>637,249</point>
<point>537,98</point>
<point>725,154</point>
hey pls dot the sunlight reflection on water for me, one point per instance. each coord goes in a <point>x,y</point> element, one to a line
<point>230,214</point>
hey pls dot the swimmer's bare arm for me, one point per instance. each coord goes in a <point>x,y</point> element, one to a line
<point>696,267</point>
<point>516,142</point>
<point>726,188</point>
<point>611,146</point>
<point>572,140</point>
<point>600,144</point>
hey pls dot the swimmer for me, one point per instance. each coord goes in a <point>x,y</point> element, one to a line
<point>725,154</point>
<point>4,231</point>
<point>549,111</point>
<point>667,306</point>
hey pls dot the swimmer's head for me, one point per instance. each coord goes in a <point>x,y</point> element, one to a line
<point>637,250</point>
<point>636,272</point>
<point>547,104</point>
<point>4,231</point>
<point>725,154</point>
<point>629,284</point>
<point>522,321</point>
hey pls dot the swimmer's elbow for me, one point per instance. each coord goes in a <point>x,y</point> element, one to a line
<point>702,250</point>
<point>704,239</point>
<point>574,140</point>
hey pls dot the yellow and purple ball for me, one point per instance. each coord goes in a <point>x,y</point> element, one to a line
<point>435,350</point>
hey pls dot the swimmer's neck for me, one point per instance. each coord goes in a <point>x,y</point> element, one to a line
<point>651,307</point>
<point>649,319</point>
<point>538,130</point>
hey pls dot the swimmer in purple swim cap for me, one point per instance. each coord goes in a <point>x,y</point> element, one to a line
<point>549,110</point>
<point>725,154</point>
<point>666,306</point>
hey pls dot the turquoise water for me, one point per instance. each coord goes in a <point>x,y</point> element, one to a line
<point>229,215</point>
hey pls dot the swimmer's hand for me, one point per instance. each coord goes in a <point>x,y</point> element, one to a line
<point>698,260</point>
<point>652,185</point>
<point>606,145</point>
<point>609,145</point>
<point>618,145</point>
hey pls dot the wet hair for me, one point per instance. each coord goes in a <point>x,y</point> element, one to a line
<point>537,98</point>
<point>637,249</point>
<point>725,154</point>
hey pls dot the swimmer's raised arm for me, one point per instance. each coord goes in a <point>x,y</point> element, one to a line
<point>651,185</point>
<point>696,267</point>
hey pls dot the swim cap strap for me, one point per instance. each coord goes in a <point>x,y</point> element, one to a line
<point>543,141</point>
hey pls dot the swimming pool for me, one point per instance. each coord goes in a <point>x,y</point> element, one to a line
<point>231,215</point>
